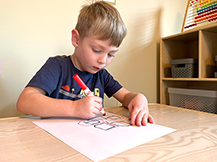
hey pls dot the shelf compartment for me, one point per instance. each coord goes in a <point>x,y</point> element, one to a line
<point>178,47</point>
<point>192,83</point>
<point>207,50</point>
<point>190,79</point>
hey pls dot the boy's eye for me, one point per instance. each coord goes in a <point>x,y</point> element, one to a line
<point>96,51</point>
<point>110,55</point>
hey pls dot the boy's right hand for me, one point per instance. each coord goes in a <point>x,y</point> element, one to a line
<point>87,107</point>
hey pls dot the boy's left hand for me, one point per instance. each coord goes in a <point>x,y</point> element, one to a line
<point>139,112</point>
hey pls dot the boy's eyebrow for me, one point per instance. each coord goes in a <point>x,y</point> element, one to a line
<point>102,47</point>
<point>114,50</point>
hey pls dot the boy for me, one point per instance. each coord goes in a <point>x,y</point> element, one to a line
<point>96,38</point>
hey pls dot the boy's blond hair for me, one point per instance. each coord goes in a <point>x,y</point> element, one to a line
<point>103,20</point>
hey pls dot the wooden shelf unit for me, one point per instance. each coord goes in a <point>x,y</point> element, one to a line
<point>199,43</point>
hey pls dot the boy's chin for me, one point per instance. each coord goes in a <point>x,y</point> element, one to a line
<point>92,71</point>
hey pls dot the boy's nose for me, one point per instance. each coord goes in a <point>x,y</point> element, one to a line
<point>102,59</point>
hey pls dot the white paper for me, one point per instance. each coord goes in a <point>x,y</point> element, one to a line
<point>101,137</point>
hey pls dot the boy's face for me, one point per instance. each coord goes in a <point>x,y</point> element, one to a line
<point>92,54</point>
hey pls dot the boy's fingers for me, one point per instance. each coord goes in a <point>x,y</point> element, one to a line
<point>95,111</point>
<point>147,119</point>
<point>98,100</point>
<point>150,119</point>
<point>144,120</point>
<point>133,118</point>
<point>141,119</point>
<point>136,117</point>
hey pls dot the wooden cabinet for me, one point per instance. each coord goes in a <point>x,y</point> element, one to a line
<point>199,43</point>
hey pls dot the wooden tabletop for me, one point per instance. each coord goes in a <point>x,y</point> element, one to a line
<point>194,140</point>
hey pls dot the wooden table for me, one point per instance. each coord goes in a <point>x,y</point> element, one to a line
<point>194,140</point>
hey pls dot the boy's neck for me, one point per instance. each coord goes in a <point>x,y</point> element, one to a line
<point>74,61</point>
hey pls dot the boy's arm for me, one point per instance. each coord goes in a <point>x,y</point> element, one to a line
<point>33,101</point>
<point>137,105</point>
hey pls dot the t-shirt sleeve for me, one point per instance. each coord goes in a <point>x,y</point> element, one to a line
<point>48,76</point>
<point>111,85</point>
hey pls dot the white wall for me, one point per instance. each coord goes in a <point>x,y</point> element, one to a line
<point>33,30</point>
<point>173,12</point>
<point>136,65</point>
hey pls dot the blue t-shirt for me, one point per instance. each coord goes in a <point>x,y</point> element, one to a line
<point>55,77</point>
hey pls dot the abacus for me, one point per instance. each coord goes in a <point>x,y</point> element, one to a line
<point>199,12</point>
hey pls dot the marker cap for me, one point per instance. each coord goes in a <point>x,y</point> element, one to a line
<point>80,82</point>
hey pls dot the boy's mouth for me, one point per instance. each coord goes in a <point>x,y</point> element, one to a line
<point>97,68</point>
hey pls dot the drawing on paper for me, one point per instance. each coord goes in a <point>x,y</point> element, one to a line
<point>108,122</point>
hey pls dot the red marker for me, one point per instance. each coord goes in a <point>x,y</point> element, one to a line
<point>85,89</point>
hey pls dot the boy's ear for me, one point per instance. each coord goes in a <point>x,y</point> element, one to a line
<point>75,38</point>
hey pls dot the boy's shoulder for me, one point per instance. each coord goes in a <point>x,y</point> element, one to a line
<point>57,62</point>
<point>59,59</point>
